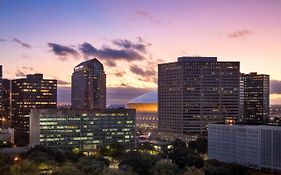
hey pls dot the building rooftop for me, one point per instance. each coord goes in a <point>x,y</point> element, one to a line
<point>94,61</point>
<point>197,59</point>
<point>149,97</point>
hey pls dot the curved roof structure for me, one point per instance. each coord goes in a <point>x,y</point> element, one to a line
<point>149,97</point>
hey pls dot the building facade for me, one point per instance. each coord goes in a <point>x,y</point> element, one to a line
<point>29,93</point>
<point>256,146</point>
<point>254,98</point>
<point>88,88</point>
<point>5,102</point>
<point>146,106</point>
<point>195,91</point>
<point>86,130</point>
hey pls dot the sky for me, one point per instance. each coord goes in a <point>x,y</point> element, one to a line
<point>131,37</point>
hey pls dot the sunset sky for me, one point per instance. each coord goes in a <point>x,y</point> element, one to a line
<point>131,37</point>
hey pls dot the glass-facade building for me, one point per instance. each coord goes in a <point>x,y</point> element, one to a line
<point>86,130</point>
<point>4,101</point>
<point>88,86</point>
<point>254,97</point>
<point>195,91</point>
<point>29,93</point>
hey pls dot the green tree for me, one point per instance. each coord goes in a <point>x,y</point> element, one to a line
<point>90,166</point>
<point>60,157</point>
<point>67,169</point>
<point>193,171</point>
<point>183,157</point>
<point>111,171</point>
<point>74,156</point>
<point>164,167</point>
<point>116,150</point>
<point>5,162</point>
<point>39,156</point>
<point>146,147</point>
<point>212,170</point>
<point>200,145</point>
<point>24,168</point>
<point>141,163</point>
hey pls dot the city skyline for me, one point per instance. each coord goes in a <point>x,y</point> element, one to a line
<point>138,37</point>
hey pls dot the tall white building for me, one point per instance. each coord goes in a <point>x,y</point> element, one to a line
<point>256,146</point>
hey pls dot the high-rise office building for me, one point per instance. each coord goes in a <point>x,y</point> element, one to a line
<point>254,97</point>
<point>88,86</point>
<point>1,74</point>
<point>193,92</point>
<point>4,101</point>
<point>28,93</point>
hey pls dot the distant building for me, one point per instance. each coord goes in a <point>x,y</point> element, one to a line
<point>86,130</point>
<point>5,103</point>
<point>29,93</point>
<point>7,135</point>
<point>1,73</point>
<point>193,92</point>
<point>146,108</point>
<point>88,86</point>
<point>254,98</point>
<point>275,115</point>
<point>256,146</point>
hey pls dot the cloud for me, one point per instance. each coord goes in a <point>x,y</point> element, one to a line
<point>123,43</point>
<point>23,71</point>
<point>23,44</point>
<point>20,73</point>
<point>147,74</point>
<point>110,55</point>
<point>63,51</point>
<point>240,33</point>
<point>147,15</point>
<point>275,86</point>
<point>120,74</point>
<point>2,40</point>
<point>27,68</point>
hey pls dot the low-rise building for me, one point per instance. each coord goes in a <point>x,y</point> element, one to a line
<point>256,146</point>
<point>7,135</point>
<point>86,130</point>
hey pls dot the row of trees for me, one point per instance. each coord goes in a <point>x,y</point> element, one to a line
<point>180,160</point>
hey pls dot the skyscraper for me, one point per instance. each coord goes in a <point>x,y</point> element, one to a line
<point>27,93</point>
<point>4,101</point>
<point>88,85</point>
<point>196,91</point>
<point>1,74</point>
<point>254,98</point>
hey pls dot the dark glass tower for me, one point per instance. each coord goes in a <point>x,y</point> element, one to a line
<point>28,93</point>
<point>1,74</point>
<point>196,91</point>
<point>88,86</point>
<point>254,98</point>
<point>4,101</point>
